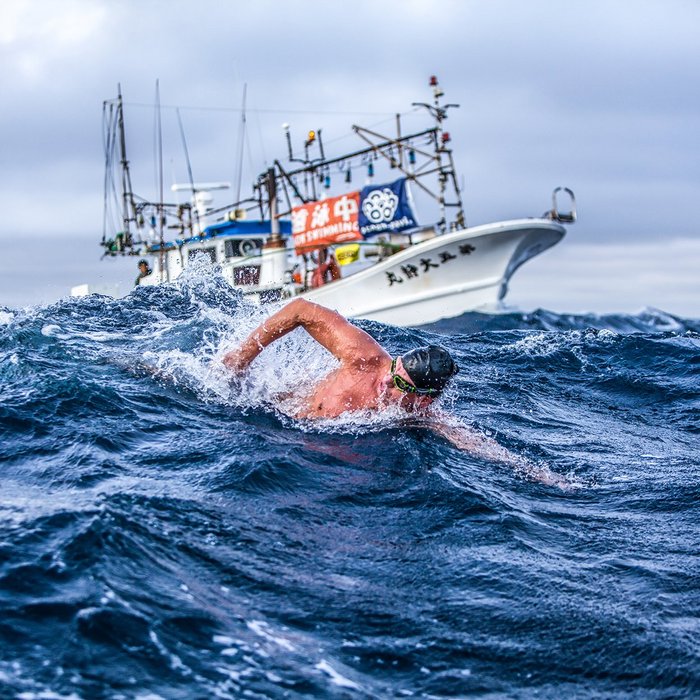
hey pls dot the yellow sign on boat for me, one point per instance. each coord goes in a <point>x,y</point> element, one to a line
<point>346,254</point>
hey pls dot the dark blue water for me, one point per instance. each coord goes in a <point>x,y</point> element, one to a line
<point>163,535</point>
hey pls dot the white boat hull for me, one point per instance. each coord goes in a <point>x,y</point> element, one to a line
<point>442,277</point>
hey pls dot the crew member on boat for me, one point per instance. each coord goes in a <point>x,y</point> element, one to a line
<point>327,269</point>
<point>144,271</point>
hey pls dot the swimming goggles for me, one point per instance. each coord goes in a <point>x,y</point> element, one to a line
<point>406,387</point>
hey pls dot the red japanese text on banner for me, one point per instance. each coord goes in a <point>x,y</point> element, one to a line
<point>332,220</point>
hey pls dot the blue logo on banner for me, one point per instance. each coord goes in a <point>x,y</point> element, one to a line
<point>385,209</point>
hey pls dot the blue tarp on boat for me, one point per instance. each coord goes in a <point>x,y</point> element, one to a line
<point>228,228</point>
<point>245,228</point>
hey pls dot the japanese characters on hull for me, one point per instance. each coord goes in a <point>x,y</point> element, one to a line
<point>428,265</point>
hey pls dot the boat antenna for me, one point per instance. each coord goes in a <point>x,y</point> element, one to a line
<point>189,166</point>
<point>241,141</point>
<point>159,157</point>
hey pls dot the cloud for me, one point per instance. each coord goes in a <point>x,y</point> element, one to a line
<point>37,34</point>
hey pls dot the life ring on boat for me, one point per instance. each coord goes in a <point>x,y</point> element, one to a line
<point>247,247</point>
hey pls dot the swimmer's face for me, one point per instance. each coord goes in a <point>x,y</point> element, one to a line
<point>407,400</point>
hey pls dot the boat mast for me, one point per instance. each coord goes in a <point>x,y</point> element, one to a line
<point>128,206</point>
<point>241,145</point>
<point>398,140</point>
<point>164,276</point>
<point>275,237</point>
<point>274,262</point>
<point>189,172</point>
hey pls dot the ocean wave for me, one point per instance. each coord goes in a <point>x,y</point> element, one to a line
<point>166,533</point>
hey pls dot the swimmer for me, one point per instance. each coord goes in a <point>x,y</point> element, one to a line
<point>368,378</point>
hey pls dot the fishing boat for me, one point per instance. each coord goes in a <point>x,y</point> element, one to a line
<point>361,252</point>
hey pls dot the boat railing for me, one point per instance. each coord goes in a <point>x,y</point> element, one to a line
<point>555,214</point>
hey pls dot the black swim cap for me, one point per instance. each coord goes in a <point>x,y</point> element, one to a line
<point>429,367</point>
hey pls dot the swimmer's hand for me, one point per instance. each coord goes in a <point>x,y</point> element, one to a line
<point>235,361</point>
<point>238,360</point>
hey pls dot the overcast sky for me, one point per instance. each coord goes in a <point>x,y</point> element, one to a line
<point>599,96</point>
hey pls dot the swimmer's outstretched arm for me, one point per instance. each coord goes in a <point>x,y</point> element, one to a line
<point>481,445</point>
<point>348,343</point>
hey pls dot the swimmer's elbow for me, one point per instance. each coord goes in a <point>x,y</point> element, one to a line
<point>300,308</point>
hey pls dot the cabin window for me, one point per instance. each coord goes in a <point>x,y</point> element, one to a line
<point>211,252</point>
<point>239,248</point>
<point>246,275</point>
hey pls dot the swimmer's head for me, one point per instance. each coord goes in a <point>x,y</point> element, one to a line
<point>429,367</point>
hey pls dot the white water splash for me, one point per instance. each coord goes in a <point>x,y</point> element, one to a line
<point>263,629</point>
<point>336,678</point>
<point>51,330</point>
